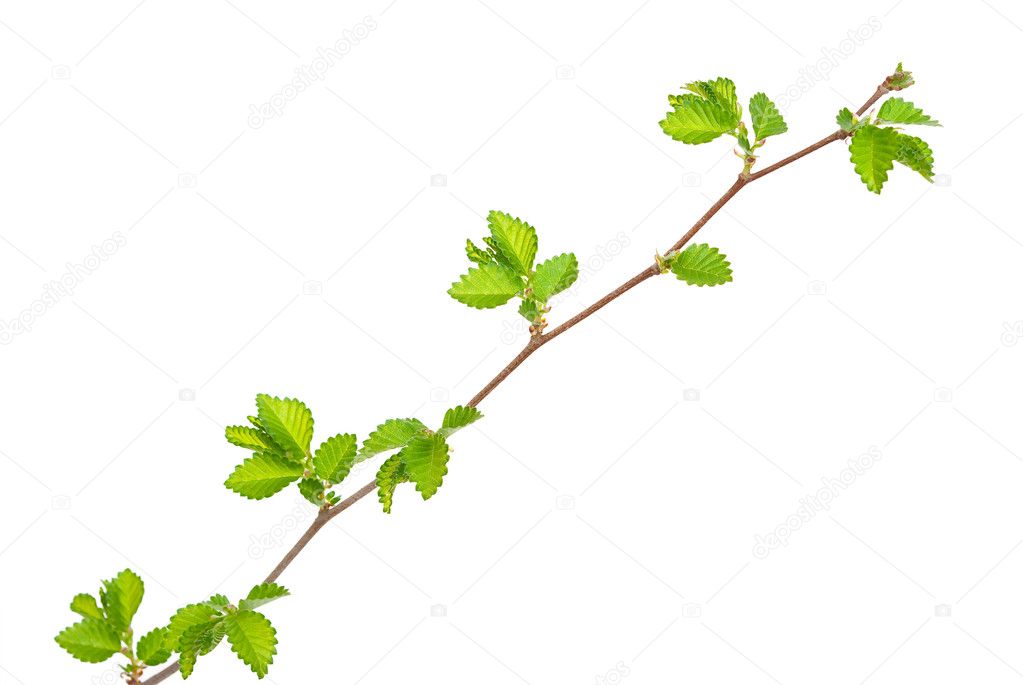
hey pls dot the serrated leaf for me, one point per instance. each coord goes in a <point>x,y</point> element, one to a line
<point>486,286</point>
<point>530,310</point>
<point>262,594</point>
<point>720,91</point>
<point>476,254</point>
<point>767,120</point>
<point>872,152</point>
<point>389,435</point>
<point>289,422</point>
<point>916,154</point>
<point>91,640</point>
<point>554,276</point>
<point>250,438</point>
<point>263,475</point>
<point>515,239</point>
<point>845,119</point>
<point>392,472</point>
<point>900,80</point>
<point>85,605</point>
<point>457,418</point>
<point>152,647</point>
<point>187,617</point>
<point>426,460</point>
<point>702,265</point>
<point>253,639</point>
<point>121,597</point>
<point>335,457</point>
<point>696,120</point>
<point>198,640</point>
<point>899,111</point>
<point>312,490</point>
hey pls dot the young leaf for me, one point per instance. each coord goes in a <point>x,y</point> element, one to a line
<point>872,152</point>
<point>767,120</point>
<point>392,472</point>
<point>389,435</point>
<point>312,490</point>
<point>218,602</point>
<point>197,640</point>
<point>553,276</point>
<point>916,154</point>
<point>185,618</point>
<point>720,91</point>
<point>530,310</point>
<point>253,639</point>
<point>516,240</point>
<point>289,422</point>
<point>251,439</point>
<point>845,119</point>
<point>696,120</point>
<point>263,475</point>
<point>262,594</point>
<point>152,647</point>
<point>458,418</point>
<point>335,457</point>
<point>85,605</point>
<point>487,286</point>
<point>121,597</point>
<point>90,640</point>
<point>476,254</point>
<point>702,265</point>
<point>899,111</point>
<point>426,460</point>
<point>900,80</point>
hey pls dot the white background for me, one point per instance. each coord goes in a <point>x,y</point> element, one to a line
<point>598,525</point>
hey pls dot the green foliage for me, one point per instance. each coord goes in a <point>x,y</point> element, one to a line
<point>392,472</point>
<point>391,434</point>
<point>289,422</point>
<point>335,457</point>
<point>253,639</point>
<point>487,286</point>
<point>312,489</point>
<point>701,265</point>
<point>916,154</point>
<point>263,475</point>
<point>697,120</point>
<point>426,461</point>
<point>91,640</point>
<point>85,605</point>
<point>515,240</point>
<point>872,152</point>
<point>767,120</point>
<point>457,418</point>
<point>121,597</point>
<point>846,119</point>
<point>152,647</point>
<point>899,111</point>
<point>553,276</point>
<point>900,80</point>
<point>250,438</point>
<point>263,594</point>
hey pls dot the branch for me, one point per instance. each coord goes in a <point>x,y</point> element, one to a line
<point>539,340</point>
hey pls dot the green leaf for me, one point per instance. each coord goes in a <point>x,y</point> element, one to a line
<point>121,597</point>
<point>335,457</point>
<point>846,120</point>
<point>702,265</point>
<point>186,617</point>
<point>251,439</point>
<point>262,594</point>
<point>767,120</point>
<point>486,286</point>
<point>553,276</point>
<point>530,310</point>
<point>90,640</point>
<point>721,92</point>
<point>389,435</point>
<point>916,154</point>
<point>312,490</point>
<point>426,459</point>
<point>392,472</point>
<point>872,153</point>
<point>899,111</point>
<point>516,240</point>
<point>218,602</point>
<point>85,605</point>
<point>198,640</point>
<point>900,80</point>
<point>457,418</point>
<point>696,120</point>
<point>253,639</point>
<point>263,475</point>
<point>152,647</point>
<point>476,254</point>
<point>289,422</point>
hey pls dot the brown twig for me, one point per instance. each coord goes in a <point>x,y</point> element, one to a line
<point>539,340</point>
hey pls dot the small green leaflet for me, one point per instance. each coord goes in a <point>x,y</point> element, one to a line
<point>487,286</point>
<point>845,119</point>
<point>458,418</point>
<point>391,474</point>
<point>916,154</point>
<point>530,310</point>
<point>152,648</point>
<point>900,80</point>
<point>335,457</point>
<point>251,439</point>
<point>85,605</point>
<point>872,152</point>
<point>391,434</point>
<point>187,617</point>
<point>218,602</point>
<point>696,120</point>
<point>515,239</point>
<point>289,422</point>
<point>720,91</point>
<point>767,120</point>
<point>554,276</point>
<point>262,594</point>
<point>899,111</point>
<point>426,459</point>
<point>312,490</point>
<point>197,640</point>
<point>121,597</point>
<point>702,265</point>
<point>263,475</point>
<point>476,254</point>
<point>91,640</point>
<point>253,639</point>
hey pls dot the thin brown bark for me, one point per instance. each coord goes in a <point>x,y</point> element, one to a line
<point>539,340</point>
